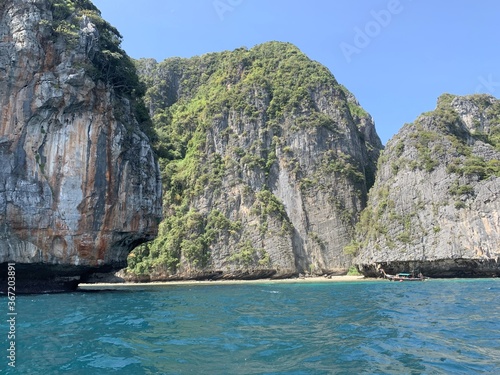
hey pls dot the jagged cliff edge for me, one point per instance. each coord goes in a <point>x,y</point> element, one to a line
<point>79,183</point>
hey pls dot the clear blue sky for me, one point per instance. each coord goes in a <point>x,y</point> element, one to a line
<point>396,56</point>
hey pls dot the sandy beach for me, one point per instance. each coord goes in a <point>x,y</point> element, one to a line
<point>319,279</point>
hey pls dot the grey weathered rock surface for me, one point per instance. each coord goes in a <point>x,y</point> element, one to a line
<point>435,205</point>
<point>79,184</point>
<point>266,159</point>
<point>285,157</point>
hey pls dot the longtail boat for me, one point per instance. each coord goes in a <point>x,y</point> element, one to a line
<point>404,276</point>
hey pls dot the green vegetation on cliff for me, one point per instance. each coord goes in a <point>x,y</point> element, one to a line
<point>265,83</point>
<point>222,121</point>
<point>111,63</point>
<point>108,62</point>
<point>461,137</point>
<point>429,172</point>
<point>442,134</point>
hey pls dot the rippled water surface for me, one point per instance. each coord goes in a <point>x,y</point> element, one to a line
<point>434,327</point>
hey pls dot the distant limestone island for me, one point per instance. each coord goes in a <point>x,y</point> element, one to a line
<point>244,164</point>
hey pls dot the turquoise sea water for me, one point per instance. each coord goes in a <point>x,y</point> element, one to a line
<point>434,327</point>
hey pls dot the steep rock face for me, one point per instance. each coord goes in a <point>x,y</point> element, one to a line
<point>79,184</point>
<point>435,204</point>
<point>266,165</point>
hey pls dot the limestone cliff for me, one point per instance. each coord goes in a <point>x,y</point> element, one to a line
<point>435,204</point>
<point>266,164</point>
<point>79,184</point>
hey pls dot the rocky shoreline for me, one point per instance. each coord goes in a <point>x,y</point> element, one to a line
<point>107,281</point>
<point>442,268</point>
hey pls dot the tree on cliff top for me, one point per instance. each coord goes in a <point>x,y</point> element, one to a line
<point>109,62</point>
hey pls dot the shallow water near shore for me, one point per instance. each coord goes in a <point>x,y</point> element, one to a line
<point>372,327</point>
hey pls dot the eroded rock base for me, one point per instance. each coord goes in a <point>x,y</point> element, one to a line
<point>43,278</point>
<point>444,268</point>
